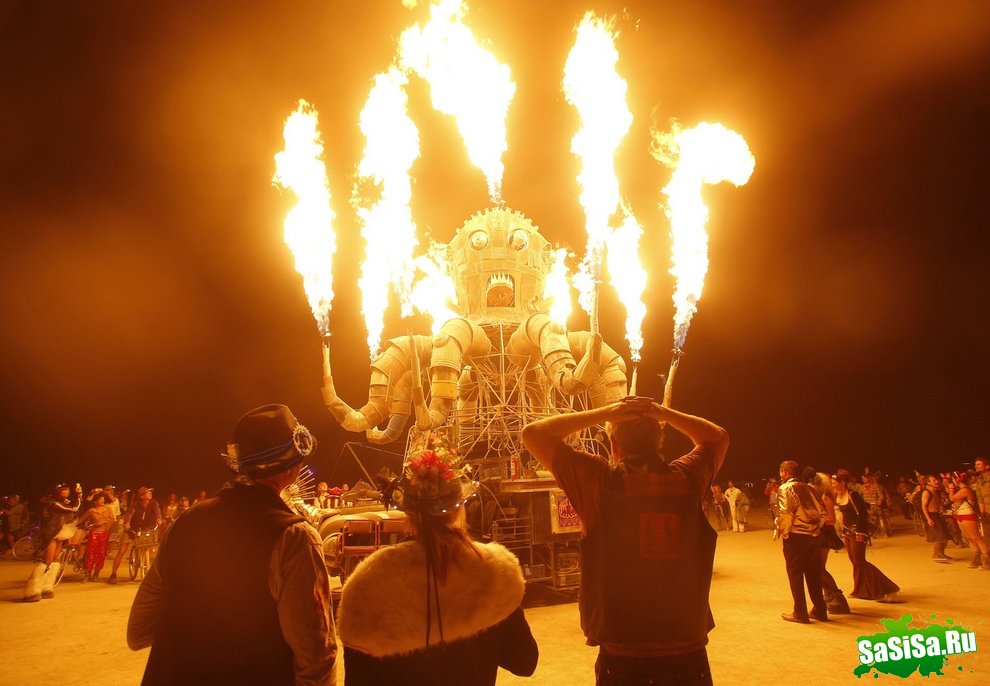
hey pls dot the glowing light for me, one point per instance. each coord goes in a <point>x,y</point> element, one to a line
<point>309,224</point>
<point>593,86</point>
<point>433,292</point>
<point>628,277</point>
<point>557,289</point>
<point>466,81</point>
<point>392,145</point>
<point>707,153</point>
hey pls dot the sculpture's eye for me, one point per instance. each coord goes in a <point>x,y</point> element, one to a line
<point>478,240</point>
<point>519,239</point>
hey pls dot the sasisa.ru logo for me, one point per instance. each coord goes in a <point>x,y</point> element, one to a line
<point>903,650</point>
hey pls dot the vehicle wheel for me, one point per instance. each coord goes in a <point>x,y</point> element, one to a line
<point>331,554</point>
<point>23,548</point>
<point>132,563</point>
<point>919,524</point>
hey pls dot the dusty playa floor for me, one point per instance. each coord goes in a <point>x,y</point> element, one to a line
<point>81,631</point>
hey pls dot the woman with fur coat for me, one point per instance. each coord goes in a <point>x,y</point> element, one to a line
<point>440,609</point>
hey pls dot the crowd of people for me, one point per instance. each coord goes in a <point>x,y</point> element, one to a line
<point>811,508</point>
<point>104,523</point>
<point>262,592</point>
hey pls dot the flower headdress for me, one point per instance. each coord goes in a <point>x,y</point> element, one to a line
<point>434,477</point>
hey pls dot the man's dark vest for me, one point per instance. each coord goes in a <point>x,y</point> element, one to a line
<point>219,623</point>
<point>646,566</point>
<point>143,516</point>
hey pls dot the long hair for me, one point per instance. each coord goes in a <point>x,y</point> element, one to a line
<point>441,537</point>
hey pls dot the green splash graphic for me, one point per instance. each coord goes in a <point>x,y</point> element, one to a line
<point>899,636</point>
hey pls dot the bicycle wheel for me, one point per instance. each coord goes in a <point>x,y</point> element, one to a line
<point>145,562</point>
<point>133,561</point>
<point>23,548</point>
<point>79,559</point>
<point>64,559</point>
<point>919,524</point>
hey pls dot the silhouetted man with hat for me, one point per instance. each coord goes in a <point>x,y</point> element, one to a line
<point>240,593</point>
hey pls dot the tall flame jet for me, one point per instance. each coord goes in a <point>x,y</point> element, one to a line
<point>391,148</point>
<point>595,89</point>
<point>466,81</point>
<point>434,288</point>
<point>557,289</point>
<point>705,154</point>
<point>309,224</point>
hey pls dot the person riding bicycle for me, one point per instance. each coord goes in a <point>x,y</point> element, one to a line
<point>144,514</point>
<point>59,512</point>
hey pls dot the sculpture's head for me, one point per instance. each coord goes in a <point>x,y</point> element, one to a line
<point>499,263</point>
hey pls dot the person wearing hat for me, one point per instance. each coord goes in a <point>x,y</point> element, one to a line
<point>59,512</point>
<point>648,549</point>
<point>470,621</point>
<point>144,514</point>
<point>248,569</point>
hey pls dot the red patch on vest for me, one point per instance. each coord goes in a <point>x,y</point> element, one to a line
<point>660,536</point>
<point>647,483</point>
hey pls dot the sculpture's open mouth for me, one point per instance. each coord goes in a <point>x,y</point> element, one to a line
<point>501,291</point>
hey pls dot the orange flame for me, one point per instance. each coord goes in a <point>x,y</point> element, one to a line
<point>557,290</point>
<point>628,277</point>
<point>309,224</point>
<point>392,145</point>
<point>466,81</point>
<point>433,292</point>
<point>593,86</point>
<point>707,153</point>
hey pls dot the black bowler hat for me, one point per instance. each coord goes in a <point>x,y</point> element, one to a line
<point>268,440</point>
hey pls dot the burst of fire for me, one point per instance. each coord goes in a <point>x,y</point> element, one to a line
<point>392,145</point>
<point>434,290</point>
<point>708,153</point>
<point>557,289</point>
<point>629,279</point>
<point>466,81</point>
<point>593,86</point>
<point>309,224</point>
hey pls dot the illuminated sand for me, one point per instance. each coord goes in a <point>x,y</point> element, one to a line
<point>81,632</point>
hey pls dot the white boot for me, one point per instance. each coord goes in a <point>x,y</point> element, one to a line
<point>742,528</point>
<point>48,581</point>
<point>32,591</point>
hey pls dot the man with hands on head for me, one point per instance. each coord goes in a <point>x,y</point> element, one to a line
<point>647,550</point>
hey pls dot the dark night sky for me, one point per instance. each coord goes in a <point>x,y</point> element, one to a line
<point>148,299</point>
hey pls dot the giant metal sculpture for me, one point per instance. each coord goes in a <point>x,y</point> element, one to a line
<point>500,364</point>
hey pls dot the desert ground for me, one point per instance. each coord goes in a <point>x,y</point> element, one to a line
<point>79,634</point>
